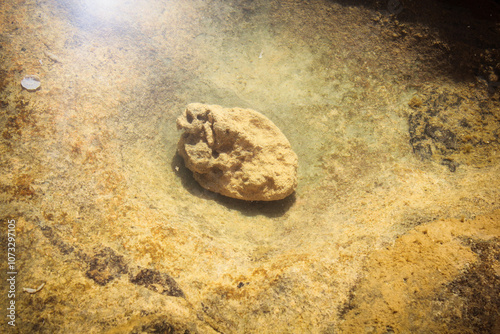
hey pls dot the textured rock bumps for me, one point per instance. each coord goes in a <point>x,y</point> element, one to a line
<point>237,152</point>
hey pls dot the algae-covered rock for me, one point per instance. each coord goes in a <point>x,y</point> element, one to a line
<point>237,152</point>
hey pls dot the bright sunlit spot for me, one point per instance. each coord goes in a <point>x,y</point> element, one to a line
<point>103,9</point>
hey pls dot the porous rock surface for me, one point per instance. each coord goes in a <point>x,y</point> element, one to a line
<point>237,152</point>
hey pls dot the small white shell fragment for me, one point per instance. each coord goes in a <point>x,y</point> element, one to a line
<point>30,290</point>
<point>52,57</point>
<point>31,82</point>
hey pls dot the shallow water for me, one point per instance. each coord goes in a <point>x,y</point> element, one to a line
<point>127,241</point>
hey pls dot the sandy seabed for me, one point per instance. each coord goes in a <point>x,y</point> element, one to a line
<point>393,112</point>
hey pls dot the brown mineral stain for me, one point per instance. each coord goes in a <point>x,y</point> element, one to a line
<point>401,284</point>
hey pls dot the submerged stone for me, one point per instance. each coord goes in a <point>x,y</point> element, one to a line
<point>237,152</point>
